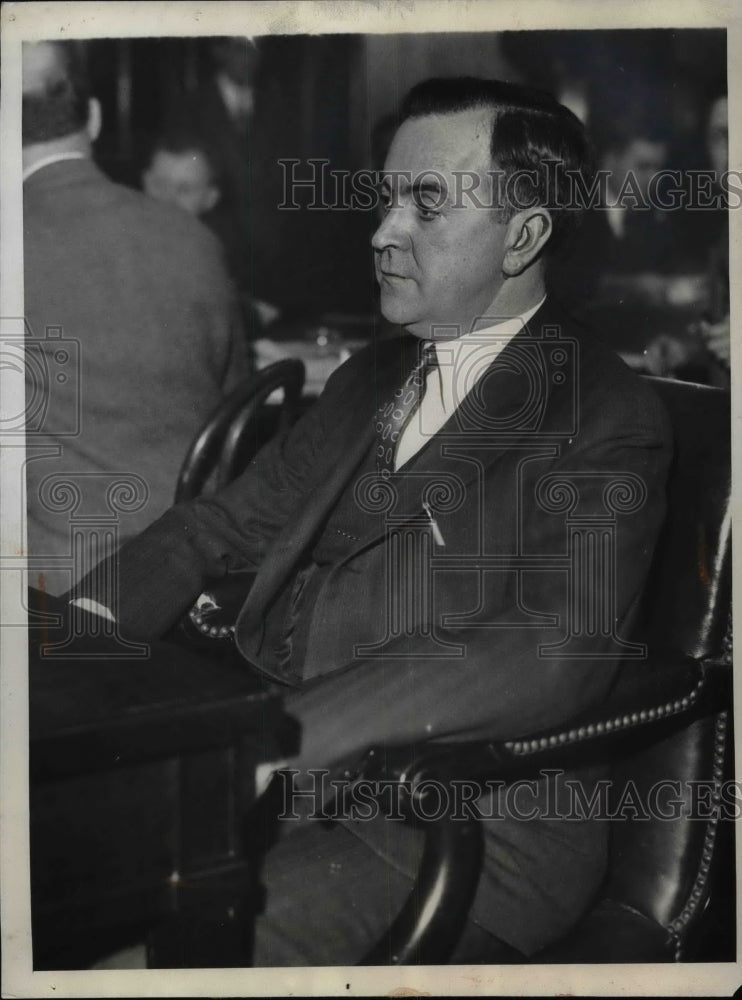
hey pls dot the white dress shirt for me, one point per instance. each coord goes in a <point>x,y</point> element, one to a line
<point>461,363</point>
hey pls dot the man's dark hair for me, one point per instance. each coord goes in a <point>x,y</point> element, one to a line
<point>530,127</point>
<point>57,104</point>
<point>180,134</point>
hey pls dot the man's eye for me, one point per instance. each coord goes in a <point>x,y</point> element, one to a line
<point>386,200</point>
<point>427,213</point>
<point>428,207</point>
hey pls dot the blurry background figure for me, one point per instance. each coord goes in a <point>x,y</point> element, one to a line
<point>704,355</point>
<point>181,172</point>
<point>223,111</point>
<point>135,296</point>
<point>638,275</point>
<point>714,326</point>
<point>181,168</point>
<point>638,239</point>
<point>635,270</point>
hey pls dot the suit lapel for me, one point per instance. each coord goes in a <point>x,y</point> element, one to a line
<point>511,400</point>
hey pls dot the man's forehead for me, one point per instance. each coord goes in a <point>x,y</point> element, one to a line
<point>189,164</point>
<point>443,143</point>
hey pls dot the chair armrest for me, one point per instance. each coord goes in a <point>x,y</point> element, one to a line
<point>650,699</point>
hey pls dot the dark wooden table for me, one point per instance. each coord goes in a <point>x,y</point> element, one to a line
<point>142,778</point>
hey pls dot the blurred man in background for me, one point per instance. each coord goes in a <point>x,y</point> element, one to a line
<point>140,296</point>
<point>224,111</point>
<point>182,169</point>
<point>635,270</point>
<point>701,353</point>
<point>714,325</point>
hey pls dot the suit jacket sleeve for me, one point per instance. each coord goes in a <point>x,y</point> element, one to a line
<point>161,571</point>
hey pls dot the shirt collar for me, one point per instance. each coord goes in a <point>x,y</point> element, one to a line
<point>494,336</point>
<point>463,361</point>
<point>48,160</point>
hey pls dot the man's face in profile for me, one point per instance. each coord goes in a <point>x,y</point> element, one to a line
<point>183,179</point>
<point>438,255</point>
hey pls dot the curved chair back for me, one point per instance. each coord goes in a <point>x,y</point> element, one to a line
<point>663,867</point>
<point>232,433</point>
<point>688,594</point>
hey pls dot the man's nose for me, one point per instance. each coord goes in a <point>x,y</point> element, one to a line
<point>392,231</point>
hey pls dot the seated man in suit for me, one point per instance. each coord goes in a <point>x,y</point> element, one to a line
<point>412,536</point>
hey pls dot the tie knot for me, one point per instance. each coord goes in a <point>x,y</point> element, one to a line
<point>428,356</point>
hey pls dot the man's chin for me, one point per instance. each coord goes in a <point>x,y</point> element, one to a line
<point>396,312</point>
<point>419,330</point>
<point>409,325</point>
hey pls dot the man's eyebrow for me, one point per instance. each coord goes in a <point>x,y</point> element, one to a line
<point>425,186</point>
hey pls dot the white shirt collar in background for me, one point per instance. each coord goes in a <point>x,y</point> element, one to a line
<point>47,160</point>
<point>240,101</point>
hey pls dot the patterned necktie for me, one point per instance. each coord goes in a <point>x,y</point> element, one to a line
<point>392,417</point>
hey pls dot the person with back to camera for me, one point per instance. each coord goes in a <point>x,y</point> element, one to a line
<point>141,289</point>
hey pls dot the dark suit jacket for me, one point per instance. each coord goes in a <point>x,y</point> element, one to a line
<point>567,410</point>
<point>559,439</point>
<point>151,337</point>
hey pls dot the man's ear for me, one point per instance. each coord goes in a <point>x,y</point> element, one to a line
<point>525,237</point>
<point>95,119</point>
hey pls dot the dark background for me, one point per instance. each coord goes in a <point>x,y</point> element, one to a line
<point>321,96</point>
